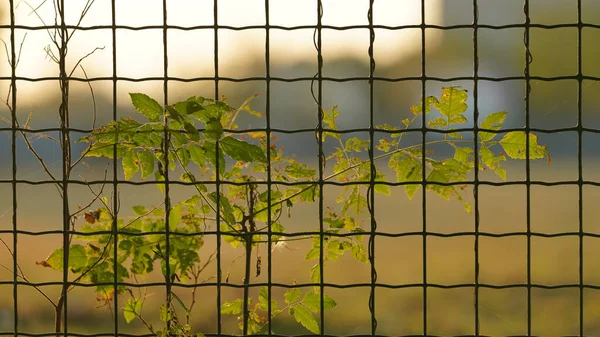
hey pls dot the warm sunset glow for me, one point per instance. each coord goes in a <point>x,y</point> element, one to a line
<point>191,53</point>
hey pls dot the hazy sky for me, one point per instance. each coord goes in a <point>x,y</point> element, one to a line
<point>191,53</point>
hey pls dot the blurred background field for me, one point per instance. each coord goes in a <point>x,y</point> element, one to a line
<point>450,261</point>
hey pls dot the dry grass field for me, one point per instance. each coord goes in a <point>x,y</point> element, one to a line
<point>450,261</point>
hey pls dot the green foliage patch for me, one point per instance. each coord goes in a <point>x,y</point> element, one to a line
<point>197,137</point>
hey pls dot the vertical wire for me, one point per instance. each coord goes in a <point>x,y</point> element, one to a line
<point>13,84</point>
<point>268,144</point>
<point>321,163</point>
<point>371,189</point>
<point>167,140</point>
<point>64,132</point>
<point>476,155</point>
<point>115,166</point>
<point>423,177</point>
<point>217,177</point>
<point>527,162</point>
<point>580,162</point>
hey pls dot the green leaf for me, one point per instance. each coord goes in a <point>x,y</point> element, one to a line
<point>187,177</point>
<point>175,216</point>
<point>440,176</point>
<point>132,309</point>
<point>452,102</point>
<point>240,150</point>
<point>210,149</point>
<point>313,253</point>
<point>381,188</point>
<point>263,296</point>
<point>355,202</point>
<point>437,123</point>
<point>336,248</point>
<point>407,169</point>
<point>130,165</point>
<point>455,135</point>
<point>304,317</point>
<point>158,178</point>
<point>77,259</point>
<point>233,307</point>
<point>146,163</point>
<point>184,156</point>
<point>315,276</point>
<point>458,119</point>
<point>226,208</point>
<point>329,122</point>
<point>299,171</point>
<point>147,106</point>
<point>492,122</point>
<point>175,115</point>
<point>165,313</point>
<point>492,162</point>
<point>192,201</point>
<point>514,144</point>
<point>429,101</point>
<point>462,154</point>
<point>313,302</point>
<point>197,154</point>
<point>191,131</point>
<point>309,193</point>
<point>333,223</point>
<point>140,210</point>
<point>292,295</point>
<point>359,252</point>
<point>356,144</point>
<point>189,106</point>
<point>213,129</point>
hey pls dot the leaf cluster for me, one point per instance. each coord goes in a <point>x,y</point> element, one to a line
<point>198,137</point>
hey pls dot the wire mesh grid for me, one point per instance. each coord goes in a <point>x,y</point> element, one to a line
<point>317,92</point>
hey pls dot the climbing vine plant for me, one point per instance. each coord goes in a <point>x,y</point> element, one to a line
<point>197,138</point>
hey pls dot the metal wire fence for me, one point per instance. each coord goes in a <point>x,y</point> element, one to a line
<point>64,182</point>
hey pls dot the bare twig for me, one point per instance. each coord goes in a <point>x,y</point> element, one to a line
<point>83,58</point>
<point>237,112</point>
<point>21,274</point>
<point>97,196</point>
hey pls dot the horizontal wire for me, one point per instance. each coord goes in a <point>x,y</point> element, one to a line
<point>303,285</point>
<point>304,183</point>
<point>52,334</point>
<point>315,233</point>
<point>343,131</point>
<point>308,79</point>
<point>311,27</point>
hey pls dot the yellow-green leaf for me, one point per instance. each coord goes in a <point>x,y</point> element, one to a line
<point>452,102</point>
<point>240,150</point>
<point>146,163</point>
<point>77,259</point>
<point>304,317</point>
<point>175,216</point>
<point>429,101</point>
<point>514,144</point>
<point>132,309</point>
<point>492,122</point>
<point>129,163</point>
<point>146,106</point>
<point>213,129</point>
<point>407,169</point>
<point>292,295</point>
<point>313,302</point>
<point>233,307</point>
